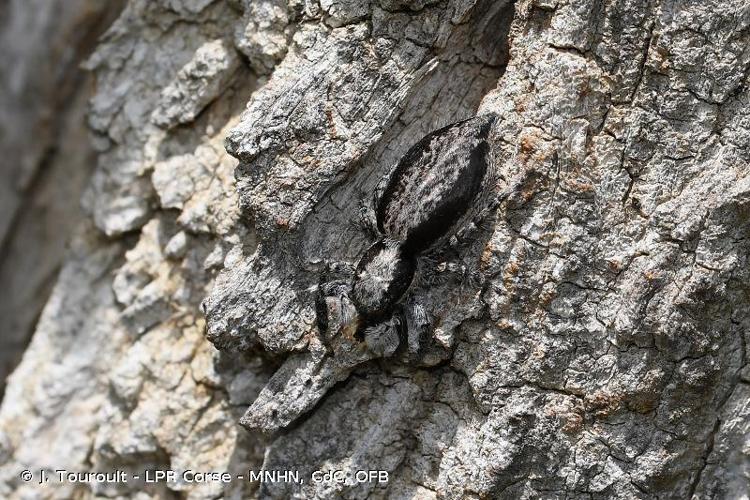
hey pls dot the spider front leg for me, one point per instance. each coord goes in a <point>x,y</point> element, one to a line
<point>383,339</point>
<point>407,330</point>
<point>418,329</point>
<point>335,312</point>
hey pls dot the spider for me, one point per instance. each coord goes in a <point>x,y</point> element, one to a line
<point>440,185</point>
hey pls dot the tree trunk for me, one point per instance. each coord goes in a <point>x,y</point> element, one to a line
<point>586,334</point>
<point>45,154</point>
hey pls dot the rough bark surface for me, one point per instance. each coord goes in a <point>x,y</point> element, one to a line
<point>602,354</point>
<point>45,154</point>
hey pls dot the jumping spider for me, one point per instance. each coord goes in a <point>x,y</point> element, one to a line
<point>440,185</point>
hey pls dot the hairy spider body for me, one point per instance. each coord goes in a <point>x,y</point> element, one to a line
<point>435,184</point>
<point>430,194</point>
<point>383,275</point>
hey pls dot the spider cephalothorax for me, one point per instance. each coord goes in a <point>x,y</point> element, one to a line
<point>434,190</point>
<point>383,274</point>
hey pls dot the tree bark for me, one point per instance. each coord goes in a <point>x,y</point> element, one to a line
<point>587,337</point>
<point>45,154</point>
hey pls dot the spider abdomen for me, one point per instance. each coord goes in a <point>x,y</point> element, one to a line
<point>431,191</point>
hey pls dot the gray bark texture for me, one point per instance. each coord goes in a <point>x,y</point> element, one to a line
<point>45,155</point>
<point>587,335</point>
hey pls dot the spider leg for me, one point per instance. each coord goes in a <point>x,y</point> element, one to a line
<point>332,304</point>
<point>383,339</point>
<point>418,327</point>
